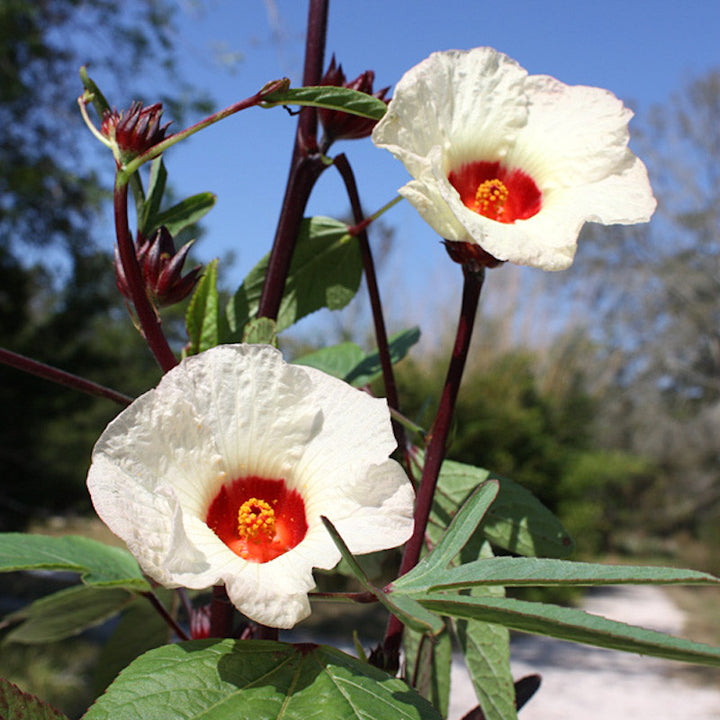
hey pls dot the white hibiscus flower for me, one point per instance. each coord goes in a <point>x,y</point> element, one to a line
<point>221,474</point>
<point>511,162</point>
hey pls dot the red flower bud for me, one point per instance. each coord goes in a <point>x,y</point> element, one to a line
<point>135,130</point>
<point>200,623</point>
<point>341,125</point>
<point>466,253</point>
<point>161,269</point>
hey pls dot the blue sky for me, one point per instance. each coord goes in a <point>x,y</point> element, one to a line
<point>641,51</point>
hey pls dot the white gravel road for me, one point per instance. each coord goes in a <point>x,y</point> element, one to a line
<point>583,683</point>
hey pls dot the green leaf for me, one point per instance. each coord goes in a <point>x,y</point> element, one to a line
<point>325,272</point>
<point>140,629</point>
<point>338,360</point>
<point>516,571</point>
<point>17,705</point>
<point>486,648</point>
<point>202,317</point>
<point>517,520</point>
<point>66,613</point>
<point>428,661</point>
<point>348,362</point>
<point>571,624</point>
<point>370,368</point>
<point>256,680</point>
<point>332,98</point>
<point>434,567</point>
<point>99,565</point>
<point>410,613</point>
<point>185,213</point>
<point>155,192</point>
<point>260,330</point>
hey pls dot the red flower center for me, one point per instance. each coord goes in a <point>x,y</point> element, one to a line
<point>490,189</point>
<point>257,518</point>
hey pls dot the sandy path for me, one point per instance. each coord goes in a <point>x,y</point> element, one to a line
<point>583,683</point>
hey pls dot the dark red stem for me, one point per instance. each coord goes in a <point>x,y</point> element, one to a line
<point>437,438</point>
<point>345,170</point>
<point>221,613</point>
<point>165,615</point>
<point>146,314</point>
<point>61,377</point>
<point>306,166</point>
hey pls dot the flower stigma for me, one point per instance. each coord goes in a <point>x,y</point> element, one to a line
<point>256,517</point>
<point>259,519</point>
<point>490,198</point>
<point>497,192</point>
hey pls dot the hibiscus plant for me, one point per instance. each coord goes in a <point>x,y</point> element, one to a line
<point>241,473</point>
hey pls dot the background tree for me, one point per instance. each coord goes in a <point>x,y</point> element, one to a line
<point>656,293</point>
<point>58,301</point>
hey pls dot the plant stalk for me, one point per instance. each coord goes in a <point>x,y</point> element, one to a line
<point>146,313</point>
<point>53,374</point>
<point>306,166</point>
<point>436,442</point>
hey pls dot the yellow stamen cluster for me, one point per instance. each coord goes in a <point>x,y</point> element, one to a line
<point>255,518</point>
<point>490,198</point>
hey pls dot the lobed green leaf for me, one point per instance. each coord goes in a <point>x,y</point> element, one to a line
<point>256,680</point>
<point>517,520</point>
<point>427,662</point>
<point>516,571</point>
<point>486,648</point>
<point>571,624</point>
<point>409,613</point>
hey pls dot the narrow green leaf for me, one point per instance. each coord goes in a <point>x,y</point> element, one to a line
<point>486,648</point>
<point>261,331</point>
<point>325,272</point>
<point>331,97</point>
<point>98,564</point>
<point>410,613</point>
<point>66,613</point>
<point>517,520</point>
<point>516,571</point>
<point>428,660</point>
<point>17,705</point>
<point>140,629</point>
<point>155,192</point>
<point>435,565</point>
<point>202,316</point>
<point>571,624</point>
<point>369,368</point>
<point>185,213</point>
<point>256,680</point>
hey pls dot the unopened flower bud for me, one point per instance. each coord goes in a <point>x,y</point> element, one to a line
<point>161,267</point>
<point>200,623</point>
<point>470,255</point>
<point>345,126</point>
<point>135,130</point>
